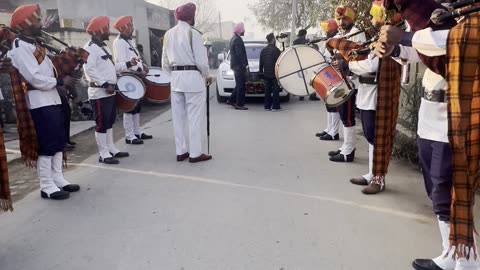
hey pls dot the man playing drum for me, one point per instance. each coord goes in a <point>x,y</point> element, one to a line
<point>345,17</point>
<point>42,103</point>
<point>185,57</point>
<point>101,72</point>
<point>123,51</point>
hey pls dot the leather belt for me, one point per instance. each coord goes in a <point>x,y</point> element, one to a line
<point>30,87</point>
<point>367,80</point>
<point>435,96</point>
<point>184,68</point>
<point>92,84</point>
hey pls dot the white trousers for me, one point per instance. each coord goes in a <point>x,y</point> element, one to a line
<point>131,123</point>
<point>333,123</point>
<point>188,108</point>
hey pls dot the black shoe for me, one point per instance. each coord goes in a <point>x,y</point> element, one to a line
<point>144,136</point>
<point>120,155</point>
<point>328,137</point>
<point>313,98</point>
<point>69,146</point>
<point>71,188</point>
<point>301,98</point>
<point>342,158</point>
<point>58,195</point>
<point>323,133</point>
<point>134,141</point>
<point>71,142</point>
<point>425,264</point>
<point>109,160</point>
<point>334,153</point>
<point>241,108</point>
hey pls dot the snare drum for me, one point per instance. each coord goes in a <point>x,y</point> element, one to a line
<point>330,86</point>
<point>130,91</point>
<point>157,84</point>
<point>296,66</point>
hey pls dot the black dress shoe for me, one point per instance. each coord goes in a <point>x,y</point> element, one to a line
<point>109,160</point>
<point>313,98</point>
<point>183,157</point>
<point>301,98</point>
<point>201,158</point>
<point>58,195</point>
<point>425,264</point>
<point>134,141</point>
<point>241,108</point>
<point>71,188</point>
<point>144,136</point>
<point>71,142</point>
<point>69,146</point>
<point>342,158</point>
<point>120,155</point>
<point>328,137</point>
<point>323,133</point>
<point>334,153</point>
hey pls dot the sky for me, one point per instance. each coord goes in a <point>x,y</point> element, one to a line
<point>237,11</point>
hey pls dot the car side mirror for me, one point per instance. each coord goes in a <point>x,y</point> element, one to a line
<point>221,57</point>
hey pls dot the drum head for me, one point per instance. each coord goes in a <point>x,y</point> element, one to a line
<point>157,76</point>
<point>295,67</point>
<point>131,86</point>
<point>338,95</point>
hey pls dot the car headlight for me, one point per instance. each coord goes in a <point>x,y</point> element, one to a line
<point>228,74</point>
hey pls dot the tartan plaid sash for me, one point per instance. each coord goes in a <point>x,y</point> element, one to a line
<point>388,100</point>
<point>348,49</point>
<point>69,60</point>
<point>5,195</point>
<point>463,54</point>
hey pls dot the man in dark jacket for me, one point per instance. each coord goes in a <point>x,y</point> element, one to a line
<point>239,65</point>
<point>268,58</point>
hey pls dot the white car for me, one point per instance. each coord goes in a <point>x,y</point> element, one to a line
<point>254,85</point>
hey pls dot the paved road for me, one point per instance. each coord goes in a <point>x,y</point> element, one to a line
<point>269,199</point>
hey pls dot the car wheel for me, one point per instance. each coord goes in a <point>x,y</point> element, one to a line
<point>285,98</point>
<point>220,99</point>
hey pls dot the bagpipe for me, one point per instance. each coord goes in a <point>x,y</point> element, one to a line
<point>455,10</point>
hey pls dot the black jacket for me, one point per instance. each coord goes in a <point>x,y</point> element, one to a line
<point>238,54</point>
<point>268,58</point>
<point>300,41</point>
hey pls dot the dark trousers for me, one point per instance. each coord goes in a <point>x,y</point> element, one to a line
<point>137,109</point>
<point>272,94</point>
<point>347,111</point>
<point>104,112</point>
<point>368,124</point>
<point>50,129</point>
<point>436,158</point>
<point>67,114</point>
<point>238,95</point>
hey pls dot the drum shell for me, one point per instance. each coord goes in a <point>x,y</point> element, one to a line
<point>125,104</point>
<point>330,86</point>
<point>124,101</point>
<point>157,93</point>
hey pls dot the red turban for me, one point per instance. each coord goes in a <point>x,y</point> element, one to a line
<point>25,16</point>
<point>328,25</point>
<point>346,12</point>
<point>123,23</point>
<point>98,25</point>
<point>185,12</point>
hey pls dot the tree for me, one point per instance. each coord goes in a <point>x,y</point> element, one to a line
<point>205,19</point>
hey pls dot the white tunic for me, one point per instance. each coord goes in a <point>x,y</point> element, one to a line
<point>183,46</point>
<point>40,76</point>
<point>432,116</point>
<point>367,93</point>
<point>124,51</point>
<point>99,69</point>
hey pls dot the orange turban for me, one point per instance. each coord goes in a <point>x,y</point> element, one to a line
<point>25,16</point>
<point>328,25</point>
<point>346,12</point>
<point>123,23</point>
<point>98,25</point>
<point>186,12</point>
<point>380,14</point>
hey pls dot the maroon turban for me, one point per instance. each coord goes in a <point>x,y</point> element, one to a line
<point>185,12</point>
<point>418,15</point>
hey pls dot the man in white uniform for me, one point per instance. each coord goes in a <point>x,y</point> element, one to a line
<point>123,51</point>
<point>43,101</point>
<point>185,57</point>
<point>101,72</point>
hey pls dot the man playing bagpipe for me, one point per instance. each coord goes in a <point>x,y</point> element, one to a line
<point>40,117</point>
<point>124,51</point>
<point>101,72</point>
<point>448,120</point>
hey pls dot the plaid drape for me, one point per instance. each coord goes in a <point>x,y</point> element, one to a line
<point>5,196</point>
<point>388,99</point>
<point>463,53</point>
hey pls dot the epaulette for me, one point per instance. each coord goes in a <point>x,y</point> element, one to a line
<point>197,30</point>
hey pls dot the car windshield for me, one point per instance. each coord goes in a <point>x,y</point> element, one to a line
<point>253,53</point>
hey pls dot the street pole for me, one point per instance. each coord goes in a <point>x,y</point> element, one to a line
<point>220,26</point>
<point>294,18</point>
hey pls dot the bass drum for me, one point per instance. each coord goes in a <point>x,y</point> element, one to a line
<point>130,91</point>
<point>295,68</point>
<point>157,83</point>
